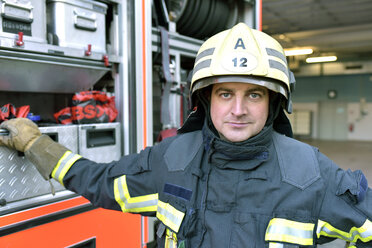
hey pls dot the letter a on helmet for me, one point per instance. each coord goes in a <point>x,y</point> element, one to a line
<point>242,54</point>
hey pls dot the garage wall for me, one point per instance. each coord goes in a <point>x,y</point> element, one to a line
<point>353,100</point>
<point>349,88</point>
<point>360,121</point>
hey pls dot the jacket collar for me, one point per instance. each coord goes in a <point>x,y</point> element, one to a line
<point>244,155</point>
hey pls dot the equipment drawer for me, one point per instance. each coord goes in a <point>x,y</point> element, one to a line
<point>77,24</point>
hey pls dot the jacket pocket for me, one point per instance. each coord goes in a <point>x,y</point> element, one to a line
<point>249,230</point>
<point>254,230</point>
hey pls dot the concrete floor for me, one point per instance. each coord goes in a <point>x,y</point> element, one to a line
<point>348,155</point>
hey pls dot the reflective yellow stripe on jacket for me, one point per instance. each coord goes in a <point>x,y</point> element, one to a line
<point>288,231</point>
<point>276,245</point>
<point>165,212</point>
<point>169,215</point>
<point>170,239</point>
<point>63,165</point>
<point>146,203</point>
<point>364,233</point>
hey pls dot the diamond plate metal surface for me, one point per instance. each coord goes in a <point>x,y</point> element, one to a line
<point>19,178</point>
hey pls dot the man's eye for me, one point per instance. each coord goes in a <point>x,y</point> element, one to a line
<point>225,95</point>
<point>254,95</point>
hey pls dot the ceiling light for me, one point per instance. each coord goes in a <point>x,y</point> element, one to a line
<point>321,59</point>
<point>293,52</point>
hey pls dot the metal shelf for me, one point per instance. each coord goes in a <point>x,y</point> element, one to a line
<point>36,72</point>
<point>177,43</point>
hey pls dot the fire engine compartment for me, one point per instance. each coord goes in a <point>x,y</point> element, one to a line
<point>66,46</point>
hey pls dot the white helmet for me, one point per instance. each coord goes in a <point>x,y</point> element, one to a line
<point>245,55</point>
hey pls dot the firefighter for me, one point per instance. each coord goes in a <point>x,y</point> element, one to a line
<point>232,177</point>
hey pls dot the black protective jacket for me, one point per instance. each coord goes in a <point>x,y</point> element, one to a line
<point>272,191</point>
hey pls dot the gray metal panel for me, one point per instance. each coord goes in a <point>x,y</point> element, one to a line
<point>37,13</point>
<point>184,45</point>
<point>100,154</point>
<point>69,75</point>
<point>19,178</point>
<point>67,135</point>
<point>77,23</point>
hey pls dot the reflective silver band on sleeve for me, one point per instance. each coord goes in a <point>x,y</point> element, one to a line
<point>63,165</point>
<point>363,233</point>
<point>144,203</point>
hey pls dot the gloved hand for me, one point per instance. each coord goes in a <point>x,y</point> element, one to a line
<point>22,134</point>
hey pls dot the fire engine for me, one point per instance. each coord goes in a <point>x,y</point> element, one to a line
<point>140,53</point>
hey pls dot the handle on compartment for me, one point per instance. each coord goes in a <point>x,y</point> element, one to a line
<point>82,21</point>
<point>25,14</point>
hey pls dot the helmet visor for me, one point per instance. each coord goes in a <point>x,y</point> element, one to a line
<point>268,83</point>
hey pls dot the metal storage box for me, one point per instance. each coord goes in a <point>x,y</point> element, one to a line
<point>76,24</point>
<point>19,179</point>
<point>27,16</point>
<point>100,142</point>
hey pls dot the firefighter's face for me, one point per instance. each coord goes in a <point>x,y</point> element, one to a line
<point>239,110</point>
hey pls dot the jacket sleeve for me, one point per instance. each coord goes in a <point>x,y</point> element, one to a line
<point>346,210</point>
<point>129,185</point>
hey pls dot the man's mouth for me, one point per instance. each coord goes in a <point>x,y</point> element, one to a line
<point>238,124</point>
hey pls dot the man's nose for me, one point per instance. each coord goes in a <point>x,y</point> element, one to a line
<point>239,106</point>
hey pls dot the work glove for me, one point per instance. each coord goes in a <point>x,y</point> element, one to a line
<point>40,149</point>
<point>22,134</point>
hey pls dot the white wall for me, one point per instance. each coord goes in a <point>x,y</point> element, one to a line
<point>362,123</point>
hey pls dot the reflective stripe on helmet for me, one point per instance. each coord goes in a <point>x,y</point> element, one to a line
<point>276,53</point>
<point>363,233</point>
<point>146,203</point>
<point>204,64</point>
<point>288,231</point>
<point>279,66</point>
<point>204,53</point>
<point>169,215</point>
<point>63,165</point>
